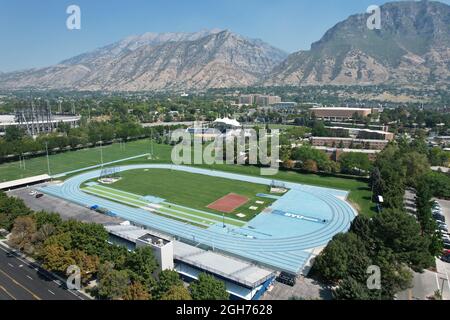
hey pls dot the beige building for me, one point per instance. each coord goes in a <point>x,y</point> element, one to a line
<point>339,114</point>
<point>259,99</point>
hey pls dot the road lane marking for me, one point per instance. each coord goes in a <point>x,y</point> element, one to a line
<point>8,293</point>
<point>9,264</point>
<point>51,291</point>
<point>57,281</point>
<point>29,277</point>
<point>20,285</point>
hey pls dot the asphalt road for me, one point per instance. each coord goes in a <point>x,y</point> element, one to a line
<point>21,280</point>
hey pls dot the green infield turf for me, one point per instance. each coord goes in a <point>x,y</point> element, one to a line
<point>194,191</point>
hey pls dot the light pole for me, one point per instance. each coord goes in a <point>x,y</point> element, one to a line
<point>101,152</point>
<point>48,160</point>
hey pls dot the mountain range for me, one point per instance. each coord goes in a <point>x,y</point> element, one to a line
<point>411,48</point>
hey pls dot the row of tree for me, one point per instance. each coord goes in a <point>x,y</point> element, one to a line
<point>119,273</point>
<point>16,142</point>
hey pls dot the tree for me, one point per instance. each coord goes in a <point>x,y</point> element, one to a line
<point>88,264</point>
<point>143,263</point>
<point>22,232</point>
<point>400,232</point>
<point>56,258</point>
<point>178,292</point>
<point>310,165</point>
<point>354,163</point>
<point>43,218</point>
<point>14,133</point>
<point>351,289</point>
<point>416,165</point>
<point>136,291</point>
<point>166,280</point>
<point>344,256</point>
<point>10,209</point>
<point>208,288</point>
<point>113,284</point>
<point>376,183</point>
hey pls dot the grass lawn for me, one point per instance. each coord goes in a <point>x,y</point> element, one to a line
<point>192,190</point>
<point>73,160</point>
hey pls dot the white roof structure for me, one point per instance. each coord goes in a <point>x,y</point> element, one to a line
<point>10,120</point>
<point>240,271</point>
<point>24,181</point>
<point>229,122</point>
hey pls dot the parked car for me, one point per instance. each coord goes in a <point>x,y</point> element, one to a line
<point>446,258</point>
<point>39,195</point>
<point>446,244</point>
<point>287,279</point>
<point>439,218</point>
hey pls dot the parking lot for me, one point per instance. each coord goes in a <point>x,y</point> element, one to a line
<point>65,209</point>
<point>443,268</point>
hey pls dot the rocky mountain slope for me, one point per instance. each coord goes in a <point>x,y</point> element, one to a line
<point>208,59</point>
<point>412,48</point>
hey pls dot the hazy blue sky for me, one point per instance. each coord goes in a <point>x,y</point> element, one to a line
<point>33,33</point>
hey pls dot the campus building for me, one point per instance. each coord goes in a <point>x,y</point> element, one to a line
<point>339,113</point>
<point>243,280</point>
<point>349,143</point>
<point>285,107</point>
<point>336,153</point>
<point>259,99</point>
<point>364,133</point>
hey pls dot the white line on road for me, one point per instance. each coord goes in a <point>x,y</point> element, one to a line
<point>29,277</point>
<point>51,292</point>
<point>9,264</point>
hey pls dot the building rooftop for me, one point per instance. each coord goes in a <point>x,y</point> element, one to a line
<point>228,121</point>
<point>10,120</point>
<point>349,139</point>
<point>341,108</point>
<point>237,270</point>
<point>359,129</point>
<point>24,181</point>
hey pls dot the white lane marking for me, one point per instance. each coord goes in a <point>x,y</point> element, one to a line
<point>437,282</point>
<point>51,292</point>
<point>37,269</point>
<point>29,277</point>
<point>9,264</point>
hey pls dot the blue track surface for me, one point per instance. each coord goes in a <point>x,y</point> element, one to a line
<point>276,240</point>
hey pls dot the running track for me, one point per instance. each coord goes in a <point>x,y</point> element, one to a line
<point>286,253</point>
